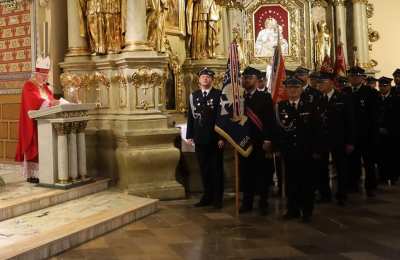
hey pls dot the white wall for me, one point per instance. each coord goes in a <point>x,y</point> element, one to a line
<point>386,21</point>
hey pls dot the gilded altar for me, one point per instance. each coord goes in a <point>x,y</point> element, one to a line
<point>141,80</point>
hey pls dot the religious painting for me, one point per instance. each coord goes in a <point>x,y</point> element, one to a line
<point>271,26</point>
<point>269,22</point>
<point>175,21</point>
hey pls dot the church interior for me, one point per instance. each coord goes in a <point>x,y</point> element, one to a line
<point>117,178</point>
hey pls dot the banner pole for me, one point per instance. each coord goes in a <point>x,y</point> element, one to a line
<point>237,186</point>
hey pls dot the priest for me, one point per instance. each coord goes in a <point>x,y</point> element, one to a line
<point>36,94</point>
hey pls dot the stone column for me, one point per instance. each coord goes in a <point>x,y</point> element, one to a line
<point>341,30</point>
<point>136,28</point>
<point>72,150</point>
<point>82,150</point>
<point>62,152</point>
<point>77,45</point>
<point>223,38</point>
<point>360,28</point>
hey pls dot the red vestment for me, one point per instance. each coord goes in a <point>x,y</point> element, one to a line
<point>27,148</point>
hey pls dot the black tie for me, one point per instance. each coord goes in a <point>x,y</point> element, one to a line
<point>293,104</point>
<point>204,94</point>
<point>326,99</point>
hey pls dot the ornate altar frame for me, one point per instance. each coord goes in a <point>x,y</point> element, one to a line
<point>300,39</point>
<point>181,29</point>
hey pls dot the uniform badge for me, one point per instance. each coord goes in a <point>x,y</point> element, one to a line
<point>362,102</point>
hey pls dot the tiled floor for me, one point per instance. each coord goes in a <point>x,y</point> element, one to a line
<point>364,230</point>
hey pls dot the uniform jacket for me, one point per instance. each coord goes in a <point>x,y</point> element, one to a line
<point>261,105</point>
<point>388,109</point>
<point>365,102</point>
<point>202,115</point>
<point>337,121</point>
<point>311,95</point>
<point>297,128</point>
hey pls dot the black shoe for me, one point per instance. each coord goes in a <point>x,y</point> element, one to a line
<point>217,205</point>
<point>29,179</point>
<point>306,219</point>
<point>290,216</point>
<point>324,200</point>
<point>371,194</point>
<point>245,209</point>
<point>202,203</point>
<point>263,211</point>
<point>341,202</point>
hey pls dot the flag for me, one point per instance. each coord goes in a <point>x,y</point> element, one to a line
<point>231,123</point>
<point>277,75</point>
<point>326,65</point>
<point>340,63</point>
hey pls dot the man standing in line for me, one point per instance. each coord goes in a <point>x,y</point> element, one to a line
<point>364,100</point>
<point>203,110</point>
<point>297,123</point>
<point>336,137</point>
<point>255,178</point>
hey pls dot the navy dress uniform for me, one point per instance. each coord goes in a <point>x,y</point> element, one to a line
<point>364,100</point>
<point>396,75</point>
<point>310,94</point>
<point>388,131</point>
<point>337,132</point>
<point>255,172</point>
<point>203,110</point>
<point>297,126</point>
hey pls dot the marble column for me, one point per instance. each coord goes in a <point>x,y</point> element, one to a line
<point>360,30</point>
<point>223,38</point>
<point>235,19</point>
<point>73,156</point>
<point>77,45</point>
<point>82,150</point>
<point>136,27</point>
<point>62,152</point>
<point>341,30</point>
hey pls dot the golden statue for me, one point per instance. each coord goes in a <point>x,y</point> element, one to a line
<point>240,45</point>
<point>103,22</point>
<point>322,43</point>
<point>203,21</point>
<point>156,16</point>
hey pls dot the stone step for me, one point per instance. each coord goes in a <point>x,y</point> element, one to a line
<point>11,173</point>
<point>20,198</point>
<point>47,232</point>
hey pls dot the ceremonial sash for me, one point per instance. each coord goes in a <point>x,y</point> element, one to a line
<point>254,118</point>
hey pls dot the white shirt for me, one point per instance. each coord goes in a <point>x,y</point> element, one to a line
<point>330,94</point>
<point>295,102</point>
<point>205,90</point>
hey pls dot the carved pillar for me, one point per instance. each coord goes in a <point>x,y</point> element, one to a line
<point>73,153</point>
<point>62,130</point>
<point>136,28</point>
<point>223,38</point>
<point>82,150</point>
<point>341,30</point>
<point>360,28</point>
<point>77,45</point>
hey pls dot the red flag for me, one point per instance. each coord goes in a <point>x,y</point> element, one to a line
<point>340,63</point>
<point>278,75</point>
<point>327,65</point>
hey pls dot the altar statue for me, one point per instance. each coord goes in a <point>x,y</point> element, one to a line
<point>267,39</point>
<point>203,21</point>
<point>103,22</point>
<point>156,17</point>
<point>322,43</point>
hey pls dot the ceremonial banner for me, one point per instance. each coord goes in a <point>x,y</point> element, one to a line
<point>340,63</point>
<point>277,76</point>
<point>231,123</point>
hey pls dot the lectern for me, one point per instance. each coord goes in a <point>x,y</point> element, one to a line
<point>62,146</point>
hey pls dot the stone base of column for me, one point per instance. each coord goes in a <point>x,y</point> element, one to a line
<point>77,51</point>
<point>136,46</point>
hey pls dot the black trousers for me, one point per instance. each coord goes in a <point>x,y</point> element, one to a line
<point>387,159</point>
<point>255,177</point>
<point>210,159</point>
<point>365,151</point>
<point>299,185</point>
<point>339,161</point>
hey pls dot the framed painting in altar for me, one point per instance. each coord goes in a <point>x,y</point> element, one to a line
<point>271,25</point>
<point>175,21</point>
<point>271,21</point>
